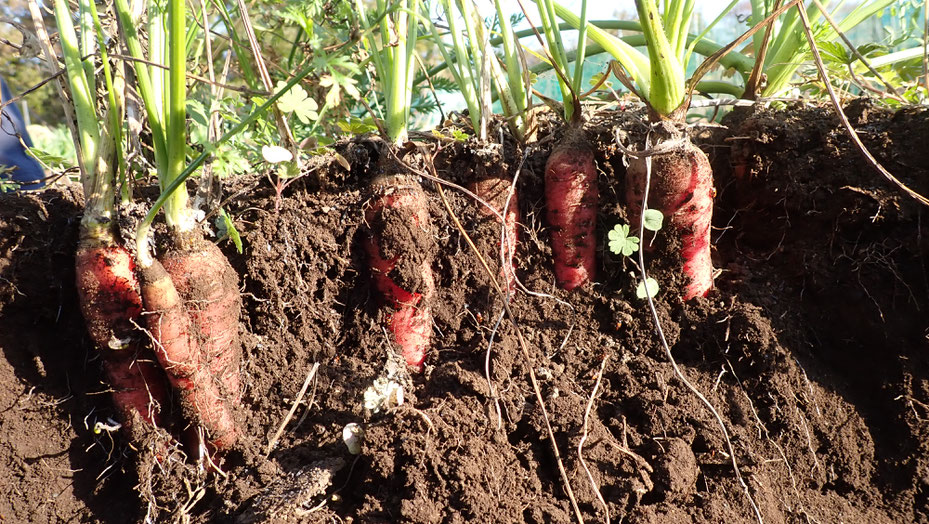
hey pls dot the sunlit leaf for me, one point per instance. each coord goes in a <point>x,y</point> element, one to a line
<point>276,154</point>
<point>620,242</point>
<point>298,102</point>
<point>653,219</point>
<point>650,286</point>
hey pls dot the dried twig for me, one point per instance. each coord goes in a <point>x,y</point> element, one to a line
<point>209,190</point>
<point>293,409</point>
<point>435,95</point>
<point>754,79</point>
<point>287,139</point>
<point>4,103</point>
<point>198,78</point>
<point>51,62</point>
<point>854,50</point>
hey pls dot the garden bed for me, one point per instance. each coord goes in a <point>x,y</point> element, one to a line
<point>813,349</point>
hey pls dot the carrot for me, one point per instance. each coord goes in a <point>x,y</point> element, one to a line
<point>109,298</point>
<point>571,196</point>
<point>208,285</point>
<point>179,353</point>
<point>400,246</point>
<point>494,191</point>
<point>682,189</point>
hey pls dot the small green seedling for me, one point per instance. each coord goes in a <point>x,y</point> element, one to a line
<point>357,126</point>
<point>460,135</point>
<point>226,228</point>
<point>622,243</point>
<point>653,219</point>
<point>457,135</point>
<point>650,285</point>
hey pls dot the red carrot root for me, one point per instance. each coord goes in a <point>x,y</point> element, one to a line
<point>494,191</point>
<point>138,389</point>
<point>208,285</point>
<point>399,254</point>
<point>110,301</point>
<point>571,196</point>
<point>178,351</point>
<point>682,189</point>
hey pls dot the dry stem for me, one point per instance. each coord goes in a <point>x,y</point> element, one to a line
<point>293,408</point>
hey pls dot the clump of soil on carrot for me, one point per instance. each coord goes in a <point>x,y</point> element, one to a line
<point>812,348</point>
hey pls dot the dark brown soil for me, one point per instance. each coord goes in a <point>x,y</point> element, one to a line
<point>813,349</point>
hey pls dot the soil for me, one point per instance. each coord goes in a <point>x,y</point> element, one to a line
<point>812,349</point>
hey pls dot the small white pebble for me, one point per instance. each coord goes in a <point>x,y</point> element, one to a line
<point>353,435</point>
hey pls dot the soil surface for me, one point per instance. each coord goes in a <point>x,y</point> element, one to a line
<point>812,350</point>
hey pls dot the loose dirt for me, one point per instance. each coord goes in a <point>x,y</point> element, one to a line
<point>813,349</point>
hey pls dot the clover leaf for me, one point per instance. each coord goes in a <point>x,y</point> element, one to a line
<point>298,102</point>
<point>621,242</point>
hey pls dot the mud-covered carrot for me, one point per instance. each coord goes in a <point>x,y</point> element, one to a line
<point>682,189</point>
<point>208,286</point>
<point>681,177</point>
<point>496,192</point>
<point>108,291</point>
<point>399,255</point>
<point>571,193</point>
<point>108,294</point>
<point>189,292</point>
<point>178,351</point>
<point>465,58</point>
<point>399,242</point>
